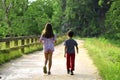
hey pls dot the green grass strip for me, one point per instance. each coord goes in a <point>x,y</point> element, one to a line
<point>106,57</point>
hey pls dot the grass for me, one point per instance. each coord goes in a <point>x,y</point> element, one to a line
<point>5,57</point>
<point>106,56</point>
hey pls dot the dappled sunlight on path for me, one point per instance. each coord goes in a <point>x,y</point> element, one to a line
<point>29,67</point>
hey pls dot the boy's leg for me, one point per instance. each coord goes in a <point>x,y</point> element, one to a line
<point>72,62</point>
<point>68,61</point>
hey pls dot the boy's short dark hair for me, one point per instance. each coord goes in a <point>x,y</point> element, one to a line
<point>70,33</point>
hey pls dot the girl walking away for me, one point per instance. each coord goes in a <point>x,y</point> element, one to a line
<point>48,39</point>
<point>70,45</point>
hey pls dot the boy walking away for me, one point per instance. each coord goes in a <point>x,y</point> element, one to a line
<point>70,45</point>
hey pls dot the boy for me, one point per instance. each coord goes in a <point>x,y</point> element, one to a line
<point>70,45</point>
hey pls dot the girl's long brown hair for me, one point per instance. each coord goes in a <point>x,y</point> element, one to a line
<point>48,31</point>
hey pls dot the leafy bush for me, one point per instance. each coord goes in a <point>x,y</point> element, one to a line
<point>112,21</point>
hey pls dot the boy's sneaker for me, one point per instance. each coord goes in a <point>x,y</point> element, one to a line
<point>72,72</point>
<point>49,73</point>
<point>45,69</point>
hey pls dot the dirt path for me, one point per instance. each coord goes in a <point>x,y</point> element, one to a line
<point>29,67</point>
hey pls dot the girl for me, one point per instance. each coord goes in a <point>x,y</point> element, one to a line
<point>48,39</point>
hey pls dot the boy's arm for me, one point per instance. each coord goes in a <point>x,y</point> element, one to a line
<point>77,48</point>
<point>65,51</point>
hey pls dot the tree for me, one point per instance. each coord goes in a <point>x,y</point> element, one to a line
<point>57,16</point>
<point>11,11</point>
<point>104,6</point>
<point>38,14</point>
<point>81,15</point>
<point>112,21</point>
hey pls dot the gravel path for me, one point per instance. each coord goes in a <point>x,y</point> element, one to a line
<point>29,67</point>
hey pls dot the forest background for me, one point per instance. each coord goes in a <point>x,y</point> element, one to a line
<point>88,18</point>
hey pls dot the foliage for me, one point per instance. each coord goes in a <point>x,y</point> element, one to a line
<point>113,21</point>
<point>23,18</point>
<point>88,18</point>
<point>77,17</point>
<point>57,16</point>
<point>12,11</point>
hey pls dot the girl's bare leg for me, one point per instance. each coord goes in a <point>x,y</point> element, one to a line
<point>46,58</point>
<point>50,61</point>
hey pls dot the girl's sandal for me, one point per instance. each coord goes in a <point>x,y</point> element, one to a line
<point>45,69</point>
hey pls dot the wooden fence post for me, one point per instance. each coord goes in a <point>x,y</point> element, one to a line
<point>32,40</point>
<point>7,44</point>
<point>28,42</point>
<point>36,40</point>
<point>22,44</point>
<point>16,43</point>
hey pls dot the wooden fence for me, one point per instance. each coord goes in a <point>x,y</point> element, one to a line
<point>15,43</point>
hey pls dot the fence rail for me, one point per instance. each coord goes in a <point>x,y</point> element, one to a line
<point>15,43</point>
